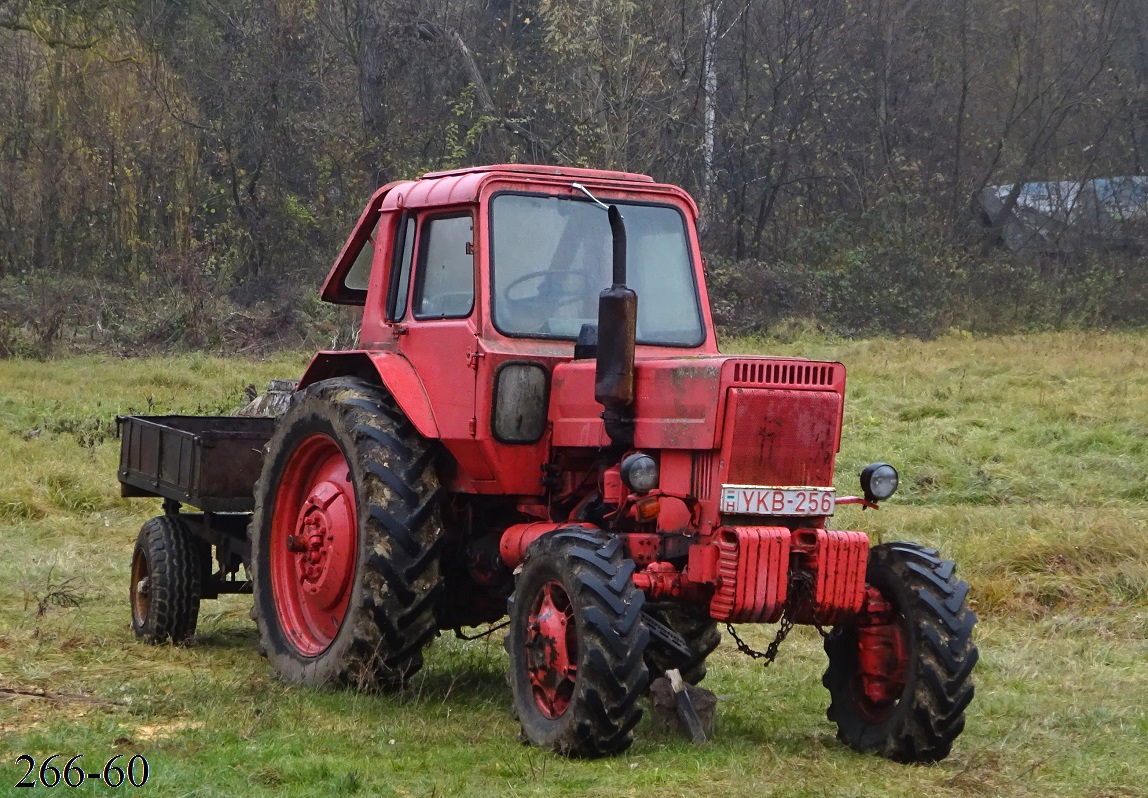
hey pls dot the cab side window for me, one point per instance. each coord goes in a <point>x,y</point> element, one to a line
<point>401,276</point>
<point>360,272</point>
<point>446,268</point>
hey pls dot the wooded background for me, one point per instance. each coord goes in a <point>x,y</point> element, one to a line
<point>182,173</point>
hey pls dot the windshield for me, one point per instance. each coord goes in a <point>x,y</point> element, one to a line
<point>551,258</point>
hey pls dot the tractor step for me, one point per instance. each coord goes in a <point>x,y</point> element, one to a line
<point>668,636</point>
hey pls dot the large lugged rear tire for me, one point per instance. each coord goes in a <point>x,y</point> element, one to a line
<point>576,642</point>
<point>167,566</point>
<point>699,631</point>
<point>345,540</point>
<point>932,625</point>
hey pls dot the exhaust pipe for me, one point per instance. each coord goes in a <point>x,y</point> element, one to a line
<point>617,337</point>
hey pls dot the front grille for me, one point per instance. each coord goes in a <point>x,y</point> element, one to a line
<point>781,373</point>
<point>782,437</point>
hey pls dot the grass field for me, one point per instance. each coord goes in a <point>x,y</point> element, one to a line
<point>1024,458</point>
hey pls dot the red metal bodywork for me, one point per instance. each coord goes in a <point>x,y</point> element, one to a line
<point>839,559</point>
<point>752,578</point>
<point>516,540</point>
<point>708,419</point>
<point>743,572</point>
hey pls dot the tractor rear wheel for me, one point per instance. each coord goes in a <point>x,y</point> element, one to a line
<point>576,643</point>
<point>167,566</point>
<point>345,540</point>
<point>899,675</point>
<point>701,634</point>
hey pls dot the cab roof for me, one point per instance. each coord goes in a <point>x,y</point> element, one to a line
<point>460,186</point>
<point>537,169</point>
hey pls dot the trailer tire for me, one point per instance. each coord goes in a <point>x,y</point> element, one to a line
<point>166,581</point>
<point>576,645</point>
<point>701,635</point>
<point>345,540</point>
<point>935,625</point>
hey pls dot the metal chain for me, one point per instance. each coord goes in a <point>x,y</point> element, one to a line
<point>800,589</point>
<point>770,653</point>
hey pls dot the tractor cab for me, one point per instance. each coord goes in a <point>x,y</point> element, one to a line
<point>477,284</point>
<point>522,252</point>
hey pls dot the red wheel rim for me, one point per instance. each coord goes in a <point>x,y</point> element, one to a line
<point>882,658</point>
<point>314,544</point>
<point>141,587</point>
<point>552,649</point>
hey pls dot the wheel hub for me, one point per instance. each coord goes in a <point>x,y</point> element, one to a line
<point>141,588</point>
<point>314,544</point>
<point>319,543</point>
<point>882,658</point>
<point>552,650</point>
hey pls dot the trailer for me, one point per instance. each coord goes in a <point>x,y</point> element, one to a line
<point>210,464</point>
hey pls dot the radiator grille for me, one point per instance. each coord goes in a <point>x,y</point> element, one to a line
<point>781,437</point>
<point>759,372</point>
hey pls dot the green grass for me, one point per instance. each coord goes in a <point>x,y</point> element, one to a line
<point>1024,458</point>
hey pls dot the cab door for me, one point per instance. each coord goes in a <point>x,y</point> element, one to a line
<point>439,329</point>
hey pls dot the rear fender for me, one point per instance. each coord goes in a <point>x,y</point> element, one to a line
<point>388,369</point>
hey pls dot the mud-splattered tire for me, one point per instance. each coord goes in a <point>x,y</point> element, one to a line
<point>701,635</point>
<point>345,540</point>
<point>167,566</point>
<point>576,645</point>
<point>935,625</point>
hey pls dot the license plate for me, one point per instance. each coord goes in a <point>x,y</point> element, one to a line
<point>757,500</point>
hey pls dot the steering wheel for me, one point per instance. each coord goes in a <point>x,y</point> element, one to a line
<point>558,296</point>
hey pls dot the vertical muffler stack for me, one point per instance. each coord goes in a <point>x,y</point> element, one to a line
<point>617,337</point>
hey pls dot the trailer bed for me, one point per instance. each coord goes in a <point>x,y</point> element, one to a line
<point>209,462</point>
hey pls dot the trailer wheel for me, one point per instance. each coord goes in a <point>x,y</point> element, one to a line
<point>899,676</point>
<point>576,643</point>
<point>345,539</point>
<point>166,581</point>
<point>701,635</point>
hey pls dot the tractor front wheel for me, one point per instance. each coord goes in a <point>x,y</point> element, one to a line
<point>345,540</point>
<point>899,674</point>
<point>576,643</point>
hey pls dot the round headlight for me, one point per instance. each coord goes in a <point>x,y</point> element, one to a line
<point>879,481</point>
<point>640,472</point>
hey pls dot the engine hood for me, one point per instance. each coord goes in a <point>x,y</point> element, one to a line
<point>679,400</point>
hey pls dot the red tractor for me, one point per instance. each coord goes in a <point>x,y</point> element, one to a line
<point>539,423</point>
